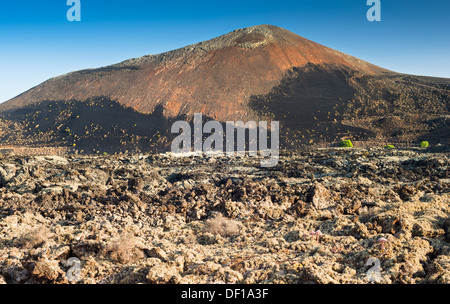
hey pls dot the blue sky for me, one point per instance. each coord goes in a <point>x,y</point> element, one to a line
<point>37,41</point>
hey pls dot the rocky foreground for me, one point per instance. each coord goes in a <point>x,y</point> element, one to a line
<point>162,219</point>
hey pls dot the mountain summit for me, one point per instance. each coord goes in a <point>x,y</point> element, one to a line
<point>215,77</point>
<point>257,73</point>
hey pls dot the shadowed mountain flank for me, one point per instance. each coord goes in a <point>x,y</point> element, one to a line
<point>96,125</point>
<point>323,103</point>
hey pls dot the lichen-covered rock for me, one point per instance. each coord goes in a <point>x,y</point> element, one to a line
<point>47,270</point>
<point>320,197</point>
<point>163,273</point>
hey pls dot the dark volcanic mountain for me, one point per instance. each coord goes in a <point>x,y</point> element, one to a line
<point>262,72</point>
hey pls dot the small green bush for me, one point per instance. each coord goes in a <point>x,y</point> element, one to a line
<point>389,147</point>
<point>424,144</point>
<point>346,143</point>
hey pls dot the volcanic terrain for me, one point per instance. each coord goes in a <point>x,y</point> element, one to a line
<point>264,72</point>
<point>155,218</point>
<point>320,216</point>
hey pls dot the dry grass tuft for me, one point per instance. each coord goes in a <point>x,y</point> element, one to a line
<point>35,237</point>
<point>125,250</point>
<point>223,226</point>
<point>365,214</point>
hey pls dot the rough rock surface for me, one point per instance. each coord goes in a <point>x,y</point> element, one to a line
<point>259,73</point>
<point>162,219</point>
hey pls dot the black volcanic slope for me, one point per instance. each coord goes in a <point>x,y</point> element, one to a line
<point>96,125</point>
<point>323,103</point>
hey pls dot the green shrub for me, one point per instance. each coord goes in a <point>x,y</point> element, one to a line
<point>424,144</point>
<point>346,143</point>
<point>389,147</point>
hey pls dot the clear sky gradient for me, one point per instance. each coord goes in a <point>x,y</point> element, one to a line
<point>37,41</point>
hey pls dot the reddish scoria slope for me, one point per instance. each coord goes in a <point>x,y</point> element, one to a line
<point>215,77</point>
